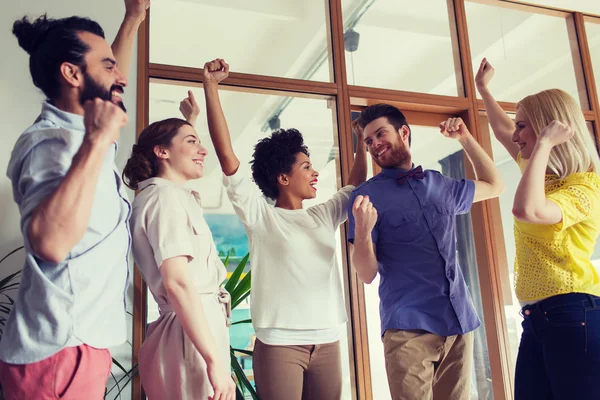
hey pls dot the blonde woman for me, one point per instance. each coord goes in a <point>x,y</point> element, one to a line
<point>557,222</point>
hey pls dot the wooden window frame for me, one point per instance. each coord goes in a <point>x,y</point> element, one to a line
<point>421,109</point>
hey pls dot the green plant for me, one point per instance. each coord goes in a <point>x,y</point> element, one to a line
<point>6,302</point>
<point>239,289</point>
<point>7,284</point>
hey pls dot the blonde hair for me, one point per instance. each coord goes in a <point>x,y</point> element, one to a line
<point>577,154</point>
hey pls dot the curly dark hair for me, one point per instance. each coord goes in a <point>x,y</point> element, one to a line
<point>275,155</point>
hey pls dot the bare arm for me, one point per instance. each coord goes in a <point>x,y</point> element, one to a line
<point>214,72</point>
<point>190,313</point>
<point>362,252</point>
<point>122,47</point>
<point>358,173</point>
<point>61,220</point>
<point>530,203</point>
<point>502,125</point>
<point>489,181</point>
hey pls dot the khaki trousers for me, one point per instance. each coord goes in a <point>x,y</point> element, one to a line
<point>424,366</point>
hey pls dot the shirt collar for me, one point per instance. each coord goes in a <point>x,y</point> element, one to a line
<point>393,172</point>
<point>62,118</point>
<point>167,183</point>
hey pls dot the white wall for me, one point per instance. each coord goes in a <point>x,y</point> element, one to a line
<point>20,103</point>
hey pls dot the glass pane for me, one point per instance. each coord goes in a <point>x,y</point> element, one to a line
<point>511,174</point>
<point>596,255</point>
<point>592,30</point>
<point>248,115</point>
<point>530,52</point>
<point>266,37</point>
<point>403,45</point>
<point>432,151</point>
<point>590,127</point>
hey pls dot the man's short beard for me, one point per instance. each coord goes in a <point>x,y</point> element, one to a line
<point>92,90</point>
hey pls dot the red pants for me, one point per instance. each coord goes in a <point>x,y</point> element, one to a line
<point>74,373</point>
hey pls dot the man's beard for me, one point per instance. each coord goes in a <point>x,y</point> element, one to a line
<point>397,159</point>
<point>92,90</point>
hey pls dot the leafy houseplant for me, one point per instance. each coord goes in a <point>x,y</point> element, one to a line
<point>7,284</point>
<point>239,289</point>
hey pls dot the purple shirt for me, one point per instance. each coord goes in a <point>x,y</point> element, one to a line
<point>421,285</point>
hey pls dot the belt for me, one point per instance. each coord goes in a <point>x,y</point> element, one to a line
<point>222,296</point>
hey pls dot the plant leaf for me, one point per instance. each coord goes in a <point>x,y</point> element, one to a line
<point>226,260</point>
<point>241,289</point>
<point>245,321</point>
<point>118,364</point>
<point>11,253</point>
<point>239,301</point>
<point>235,276</point>
<point>247,352</point>
<point>244,380</point>
<point>5,281</point>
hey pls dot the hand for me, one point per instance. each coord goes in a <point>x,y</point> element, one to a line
<point>215,71</point>
<point>136,9</point>
<point>189,108</point>
<point>454,128</point>
<point>221,382</point>
<point>365,216</point>
<point>484,75</point>
<point>556,133</point>
<point>358,130</point>
<point>103,121</point>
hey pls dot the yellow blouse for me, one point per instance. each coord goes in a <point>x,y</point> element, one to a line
<point>556,259</point>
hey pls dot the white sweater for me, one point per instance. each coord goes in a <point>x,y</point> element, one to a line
<point>296,281</point>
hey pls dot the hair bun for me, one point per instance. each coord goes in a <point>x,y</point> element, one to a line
<point>31,34</point>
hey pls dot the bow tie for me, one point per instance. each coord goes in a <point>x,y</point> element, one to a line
<point>416,173</point>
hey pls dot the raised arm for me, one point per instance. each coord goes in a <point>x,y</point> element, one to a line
<point>530,203</point>
<point>502,126</point>
<point>214,72</point>
<point>122,47</point>
<point>489,182</point>
<point>358,173</point>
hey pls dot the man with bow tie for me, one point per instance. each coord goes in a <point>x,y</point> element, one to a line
<point>401,225</point>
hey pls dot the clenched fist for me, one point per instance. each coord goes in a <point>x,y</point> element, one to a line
<point>454,128</point>
<point>556,133</point>
<point>103,121</point>
<point>215,71</point>
<point>365,216</point>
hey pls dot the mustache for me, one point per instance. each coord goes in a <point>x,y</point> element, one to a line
<point>117,88</point>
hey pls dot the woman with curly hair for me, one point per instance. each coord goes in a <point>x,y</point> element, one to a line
<point>557,222</point>
<point>297,301</point>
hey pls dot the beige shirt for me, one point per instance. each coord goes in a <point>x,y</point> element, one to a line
<point>167,221</point>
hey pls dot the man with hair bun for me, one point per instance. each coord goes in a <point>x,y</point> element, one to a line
<point>74,212</point>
